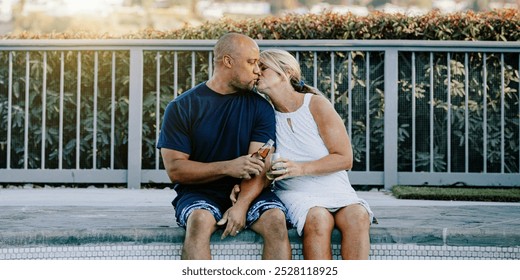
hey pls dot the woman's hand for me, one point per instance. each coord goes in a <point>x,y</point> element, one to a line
<point>234,194</point>
<point>284,168</point>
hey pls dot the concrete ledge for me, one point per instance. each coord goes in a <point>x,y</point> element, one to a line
<point>174,235</point>
<point>140,224</point>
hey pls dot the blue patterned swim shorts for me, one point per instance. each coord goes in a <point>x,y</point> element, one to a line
<point>218,202</point>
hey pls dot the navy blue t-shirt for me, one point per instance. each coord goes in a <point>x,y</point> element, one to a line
<point>213,127</point>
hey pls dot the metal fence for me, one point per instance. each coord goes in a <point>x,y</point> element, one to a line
<point>417,112</point>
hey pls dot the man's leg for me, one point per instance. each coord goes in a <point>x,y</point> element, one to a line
<point>317,232</point>
<point>199,227</point>
<point>273,228</point>
<point>353,222</point>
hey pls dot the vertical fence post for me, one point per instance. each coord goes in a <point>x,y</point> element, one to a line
<point>135,119</point>
<point>390,123</point>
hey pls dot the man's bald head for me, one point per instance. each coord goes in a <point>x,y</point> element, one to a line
<point>232,43</point>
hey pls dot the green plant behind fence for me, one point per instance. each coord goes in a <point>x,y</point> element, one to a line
<point>44,104</point>
<point>449,103</point>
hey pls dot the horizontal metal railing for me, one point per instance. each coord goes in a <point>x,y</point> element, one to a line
<point>125,85</point>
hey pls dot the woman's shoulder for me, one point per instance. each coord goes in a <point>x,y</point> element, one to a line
<point>320,104</point>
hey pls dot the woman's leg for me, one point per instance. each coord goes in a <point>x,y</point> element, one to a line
<point>317,234</point>
<point>353,222</point>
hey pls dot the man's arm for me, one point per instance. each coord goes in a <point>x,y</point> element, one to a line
<point>181,169</point>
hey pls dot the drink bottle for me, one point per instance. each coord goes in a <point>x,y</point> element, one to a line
<point>264,150</point>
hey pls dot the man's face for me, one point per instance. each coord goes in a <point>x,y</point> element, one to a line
<point>245,67</point>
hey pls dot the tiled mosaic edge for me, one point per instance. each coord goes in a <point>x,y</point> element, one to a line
<point>237,251</point>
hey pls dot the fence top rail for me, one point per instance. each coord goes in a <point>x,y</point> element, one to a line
<point>295,45</point>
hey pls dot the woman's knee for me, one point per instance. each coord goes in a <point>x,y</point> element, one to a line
<point>319,220</point>
<point>353,216</point>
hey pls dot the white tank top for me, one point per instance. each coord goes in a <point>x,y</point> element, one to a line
<point>297,134</point>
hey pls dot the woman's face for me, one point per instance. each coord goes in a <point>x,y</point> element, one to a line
<point>269,80</point>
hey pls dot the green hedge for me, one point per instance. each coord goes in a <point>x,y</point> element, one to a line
<point>497,25</point>
<point>500,25</point>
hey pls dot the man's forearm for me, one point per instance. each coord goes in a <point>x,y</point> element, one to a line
<point>192,172</point>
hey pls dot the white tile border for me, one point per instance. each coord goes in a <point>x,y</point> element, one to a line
<point>162,251</point>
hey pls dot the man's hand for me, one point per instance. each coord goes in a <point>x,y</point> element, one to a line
<point>235,220</point>
<point>245,167</point>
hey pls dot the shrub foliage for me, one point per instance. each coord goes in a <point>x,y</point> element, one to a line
<point>497,25</point>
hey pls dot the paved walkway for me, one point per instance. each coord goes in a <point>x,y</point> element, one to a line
<point>62,216</point>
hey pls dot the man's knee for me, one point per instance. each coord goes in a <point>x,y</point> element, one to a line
<point>201,221</point>
<point>271,223</point>
<point>274,217</point>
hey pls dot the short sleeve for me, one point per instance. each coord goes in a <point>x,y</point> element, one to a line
<point>175,132</point>
<point>265,123</point>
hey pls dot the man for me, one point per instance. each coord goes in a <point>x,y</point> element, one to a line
<point>206,139</point>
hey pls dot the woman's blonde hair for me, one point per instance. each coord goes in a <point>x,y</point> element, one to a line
<point>284,63</point>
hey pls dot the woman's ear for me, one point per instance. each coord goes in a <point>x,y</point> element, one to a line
<point>291,76</point>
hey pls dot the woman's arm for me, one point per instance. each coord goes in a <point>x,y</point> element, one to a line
<point>334,134</point>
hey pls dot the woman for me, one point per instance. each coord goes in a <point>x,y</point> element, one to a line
<point>316,151</point>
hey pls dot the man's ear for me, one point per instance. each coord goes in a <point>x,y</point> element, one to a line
<point>227,60</point>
